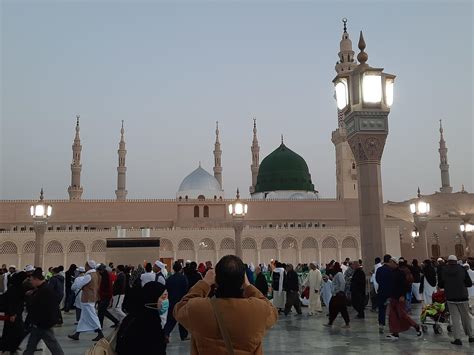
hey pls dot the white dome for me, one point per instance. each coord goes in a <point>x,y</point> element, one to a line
<point>200,183</point>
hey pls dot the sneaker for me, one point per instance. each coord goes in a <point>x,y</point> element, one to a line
<point>392,337</point>
<point>98,337</point>
<point>346,326</point>
<point>456,342</point>
<point>381,329</point>
<point>329,325</point>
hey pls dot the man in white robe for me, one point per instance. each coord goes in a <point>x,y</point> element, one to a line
<point>314,283</point>
<point>279,296</point>
<point>89,285</point>
<point>326,291</point>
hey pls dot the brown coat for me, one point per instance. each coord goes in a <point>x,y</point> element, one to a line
<point>246,319</point>
<point>90,292</point>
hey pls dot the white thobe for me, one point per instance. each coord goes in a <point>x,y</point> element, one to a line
<point>77,291</point>
<point>372,278</point>
<point>314,283</point>
<point>89,320</point>
<point>326,292</point>
<point>279,297</point>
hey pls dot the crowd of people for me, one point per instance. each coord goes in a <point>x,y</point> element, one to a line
<point>145,303</point>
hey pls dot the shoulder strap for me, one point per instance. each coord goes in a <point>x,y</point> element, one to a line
<point>222,328</point>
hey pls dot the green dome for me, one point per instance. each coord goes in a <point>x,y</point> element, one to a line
<point>283,169</point>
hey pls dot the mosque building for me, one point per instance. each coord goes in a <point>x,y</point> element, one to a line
<point>286,219</point>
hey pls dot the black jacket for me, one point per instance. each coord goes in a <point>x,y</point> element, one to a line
<point>455,280</point>
<point>261,284</point>
<point>416,272</point>
<point>400,284</point>
<point>358,282</point>
<point>177,286</point>
<point>291,282</point>
<point>44,309</point>
<point>56,283</point>
<point>193,277</point>
<point>119,285</point>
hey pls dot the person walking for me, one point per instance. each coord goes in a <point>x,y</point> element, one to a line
<point>148,275</point>
<point>398,318</point>
<point>470,271</point>
<point>90,295</point>
<point>384,278</point>
<point>44,311</point>
<point>69,280</point>
<point>358,294</point>
<point>291,285</point>
<point>261,281</point>
<point>428,282</point>
<point>105,296</point>
<point>235,320</point>
<point>416,273</point>
<point>159,269</point>
<point>314,283</point>
<point>374,285</point>
<point>338,303</point>
<point>118,294</point>
<point>177,286</point>
<point>56,282</point>
<point>455,280</point>
<point>278,278</point>
<point>192,274</point>
<point>77,292</point>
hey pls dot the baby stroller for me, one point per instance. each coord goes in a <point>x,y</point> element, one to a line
<point>436,313</point>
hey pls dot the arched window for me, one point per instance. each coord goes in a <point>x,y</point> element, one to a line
<point>54,247</point>
<point>196,211</point>
<point>8,248</point>
<point>99,246</point>
<point>206,212</point>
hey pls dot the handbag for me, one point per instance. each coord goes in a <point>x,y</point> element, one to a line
<point>222,328</point>
<point>104,346</point>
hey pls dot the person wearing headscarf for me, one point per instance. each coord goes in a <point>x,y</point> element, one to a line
<point>192,274</point>
<point>13,327</point>
<point>261,282</point>
<point>143,325</point>
<point>105,296</point>
<point>202,269</point>
<point>428,282</point>
<point>133,289</point>
<point>279,296</point>
<point>158,268</point>
<point>89,285</point>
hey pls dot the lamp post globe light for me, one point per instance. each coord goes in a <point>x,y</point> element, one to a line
<point>238,210</point>
<point>466,230</point>
<point>364,95</point>
<point>420,210</point>
<point>40,212</point>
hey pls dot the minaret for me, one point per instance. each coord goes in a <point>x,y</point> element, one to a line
<point>75,190</point>
<point>255,149</point>
<point>346,172</point>
<point>443,165</point>
<point>121,191</point>
<point>217,157</point>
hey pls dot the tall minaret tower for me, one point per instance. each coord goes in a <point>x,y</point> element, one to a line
<point>121,191</point>
<point>346,172</point>
<point>217,157</point>
<point>255,149</point>
<point>443,162</point>
<point>75,190</point>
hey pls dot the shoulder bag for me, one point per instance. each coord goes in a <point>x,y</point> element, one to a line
<point>222,328</point>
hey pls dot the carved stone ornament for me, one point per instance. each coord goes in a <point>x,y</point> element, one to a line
<point>367,147</point>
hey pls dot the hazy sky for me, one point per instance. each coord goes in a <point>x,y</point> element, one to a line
<point>171,69</point>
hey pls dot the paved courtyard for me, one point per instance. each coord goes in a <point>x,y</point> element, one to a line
<point>303,334</point>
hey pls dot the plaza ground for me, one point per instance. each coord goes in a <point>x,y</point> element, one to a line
<point>304,334</point>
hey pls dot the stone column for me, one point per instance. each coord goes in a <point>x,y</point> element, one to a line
<point>217,256</point>
<point>175,255</point>
<point>367,149</point>
<point>421,223</point>
<point>279,254</point>
<point>320,261</point>
<point>238,228</point>
<point>299,256</point>
<point>19,261</point>
<point>259,251</point>
<point>40,230</point>
<point>339,252</point>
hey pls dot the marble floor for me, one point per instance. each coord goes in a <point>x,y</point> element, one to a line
<point>304,334</point>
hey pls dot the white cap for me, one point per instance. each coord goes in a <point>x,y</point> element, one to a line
<point>452,258</point>
<point>160,264</point>
<point>441,259</point>
<point>29,268</point>
<point>394,259</point>
<point>12,266</point>
<point>81,269</point>
<point>466,265</point>
<point>92,264</point>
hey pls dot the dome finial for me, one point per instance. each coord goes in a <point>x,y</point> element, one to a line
<point>238,194</point>
<point>199,163</point>
<point>282,139</point>
<point>362,57</point>
<point>419,192</point>
<point>344,21</point>
<point>41,195</point>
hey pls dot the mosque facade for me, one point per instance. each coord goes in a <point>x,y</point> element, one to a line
<point>286,220</point>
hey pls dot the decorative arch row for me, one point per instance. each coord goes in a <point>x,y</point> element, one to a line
<point>267,243</point>
<point>53,247</point>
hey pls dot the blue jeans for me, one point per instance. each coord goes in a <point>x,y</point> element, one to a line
<point>382,307</point>
<point>408,298</point>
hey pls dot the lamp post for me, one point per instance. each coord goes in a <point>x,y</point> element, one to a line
<point>364,95</point>
<point>238,210</point>
<point>466,230</point>
<point>40,212</point>
<point>421,210</point>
